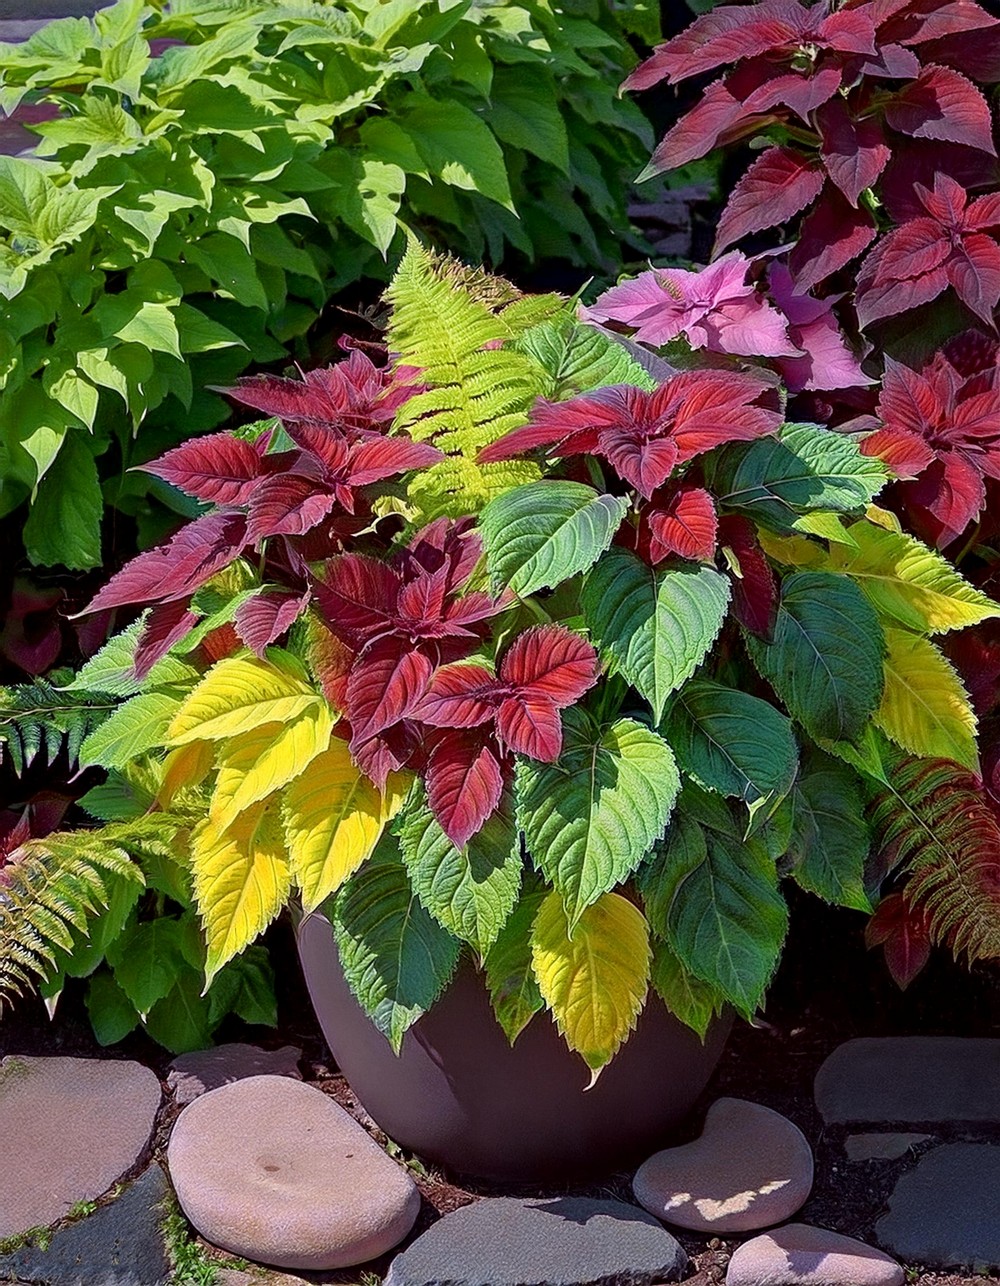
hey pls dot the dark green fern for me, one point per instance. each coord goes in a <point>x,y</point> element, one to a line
<point>39,719</point>
<point>932,821</point>
<point>454,324</point>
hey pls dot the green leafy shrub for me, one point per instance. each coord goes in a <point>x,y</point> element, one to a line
<point>191,210</point>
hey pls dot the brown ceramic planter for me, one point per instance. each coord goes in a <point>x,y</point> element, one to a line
<point>459,1095</point>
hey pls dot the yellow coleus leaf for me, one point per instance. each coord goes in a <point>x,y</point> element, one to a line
<point>925,708</point>
<point>238,695</point>
<point>261,761</point>
<point>793,551</point>
<point>241,880</point>
<point>595,982</point>
<point>185,769</point>
<point>334,817</point>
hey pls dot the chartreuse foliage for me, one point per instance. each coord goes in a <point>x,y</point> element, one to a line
<point>198,203</point>
<point>580,737</point>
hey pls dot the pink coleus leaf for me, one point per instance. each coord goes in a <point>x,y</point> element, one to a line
<point>942,104</point>
<point>828,362</point>
<point>464,783</point>
<point>854,152</point>
<point>219,469</point>
<point>175,570</point>
<point>779,184</point>
<point>166,625</point>
<point>684,523</point>
<point>831,236</point>
<point>386,683</point>
<point>262,619</point>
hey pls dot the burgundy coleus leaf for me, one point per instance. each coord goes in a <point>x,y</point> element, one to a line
<point>755,586</point>
<point>779,184</point>
<point>854,152</point>
<point>464,780</point>
<point>683,523</point>
<point>166,624</point>
<point>386,683</point>
<point>974,53</point>
<point>903,933</point>
<point>461,695</point>
<point>452,544</point>
<point>288,504</point>
<point>717,118</point>
<point>644,435</point>
<point>832,235</point>
<point>381,458</point>
<point>924,20</point>
<point>942,104</point>
<point>388,752</point>
<point>357,597</point>
<point>262,619</point>
<point>330,660</point>
<point>219,469</point>
<point>175,570</point>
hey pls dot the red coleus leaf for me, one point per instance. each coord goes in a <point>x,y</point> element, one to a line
<point>530,726</point>
<point>684,523</point>
<point>386,684</point>
<point>459,696</point>
<point>262,619</point>
<point>934,19</point>
<point>644,435</point>
<point>903,932</point>
<point>166,625</point>
<point>381,458</point>
<point>387,752</point>
<point>550,661</point>
<point>755,586</point>
<point>357,596</point>
<point>464,783</point>
<point>220,469</point>
<point>330,660</point>
<point>779,184</point>
<point>177,569</point>
<point>832,234</point>
<point>974,273</point>
<point>942,104</point>
<point>453,545</point>
<point>718,117</point>
<point>854,152</point>
<point>287,504</point>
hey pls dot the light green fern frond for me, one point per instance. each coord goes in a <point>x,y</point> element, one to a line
<point>53,886</point>
<point>451,321</point>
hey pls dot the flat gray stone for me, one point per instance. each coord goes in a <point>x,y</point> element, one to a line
<point>192,1075</point>
<point>557,1241</point>
<point>798,1255</point>
<point>881,1147</point>
<point>749,1168</point>
<point>276,1171</point>
<point>120,1244</point>
<point>911,1079</point>
<point>69,1127</point>
<point>945,1213</point>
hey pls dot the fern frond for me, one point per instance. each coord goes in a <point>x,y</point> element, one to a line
<point>55,885</point>
<point>450,321</point>
<point>932,820</point>
<point>37,718</point>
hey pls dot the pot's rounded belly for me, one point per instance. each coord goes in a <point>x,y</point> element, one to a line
<point>458,1094</point>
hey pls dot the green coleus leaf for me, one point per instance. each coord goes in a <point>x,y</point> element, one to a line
<point>469,891</point>
<point>803,468</point>
<point>692,1000</point>
<point>112,669</point>
<point>830,840</point>
<point>134,728</point>
<point>457,146</point>
<point>146,960</point>
<point>577,359</point>
<point>654,625</point>
<point>538,535</point>
<point>112,1015</point>
<point>825,660</point>
<point>514,990</point>
<point>64,525</point>
<point>182,1020</point>
<point>732,742</point>
<point>396,957</point>
<point>719,909</point>
<point>591,817</point>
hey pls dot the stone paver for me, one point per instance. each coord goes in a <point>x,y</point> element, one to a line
<point>945,1212</point>
<point>798,1255</point>
<point>192,1075</point>
<point>911,1079</point>
<point>559,1241</point>
<point>69,1127</point>
<point>120,1244</point>
<point>881,1147</point>
<point>750,1168</point>
<point>276,1171</point>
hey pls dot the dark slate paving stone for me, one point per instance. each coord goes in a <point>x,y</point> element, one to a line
<point>945,1213</point>
<point>192,1075</point>
<point>120,1244</point>
<point>899,1079</point>
<point>562,1241</point>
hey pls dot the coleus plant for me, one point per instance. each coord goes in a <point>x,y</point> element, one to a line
<point>670,654</point>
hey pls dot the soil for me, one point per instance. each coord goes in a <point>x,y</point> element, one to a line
<point>828,990</point>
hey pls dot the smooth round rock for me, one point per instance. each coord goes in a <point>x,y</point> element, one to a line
<point>274,1170</point>
<point>797,1255</point>
<point>750,1168</point>
<point>69,1128</point>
